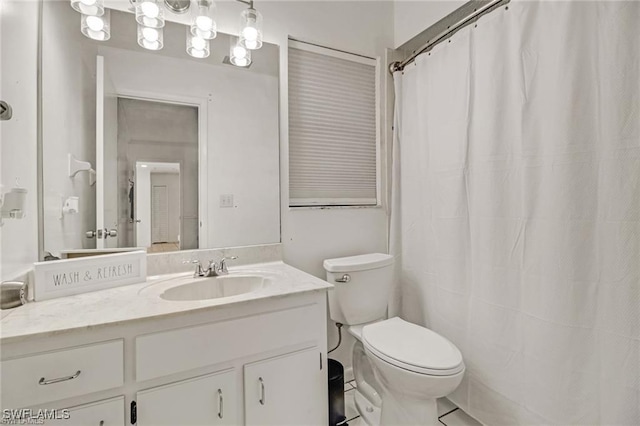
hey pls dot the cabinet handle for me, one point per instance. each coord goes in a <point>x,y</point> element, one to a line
<point>220,406</point>
<point>44,381</point>
<point>262,393</point>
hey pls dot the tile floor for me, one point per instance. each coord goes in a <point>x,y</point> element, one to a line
<point>448,413</point>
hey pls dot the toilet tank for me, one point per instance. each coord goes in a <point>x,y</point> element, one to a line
<point>364,296</point>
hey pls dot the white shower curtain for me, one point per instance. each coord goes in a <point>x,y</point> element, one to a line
<point>516,209</point>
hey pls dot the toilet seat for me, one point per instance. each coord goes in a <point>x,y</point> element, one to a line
<point>412,347</point>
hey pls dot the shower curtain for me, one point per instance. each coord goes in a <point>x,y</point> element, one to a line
<point>516,209</point>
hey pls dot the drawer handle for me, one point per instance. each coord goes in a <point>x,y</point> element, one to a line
<point>44,381</point>
<point>220,406</point>
<point>262,393</point>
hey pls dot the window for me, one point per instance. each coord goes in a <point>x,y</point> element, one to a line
<point>333,139</point>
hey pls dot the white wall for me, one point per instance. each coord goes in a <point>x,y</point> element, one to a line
<point>18,145</point>
<point>412,17</point>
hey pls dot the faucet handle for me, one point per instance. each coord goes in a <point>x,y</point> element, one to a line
<point>223,263</point>
<point>199,272</point>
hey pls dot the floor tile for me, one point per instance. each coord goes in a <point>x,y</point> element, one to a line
<point>350,405</point>
<point>445,406</point>
<point>353,383</point>
<point>459,418</point>
<point>347,387</point>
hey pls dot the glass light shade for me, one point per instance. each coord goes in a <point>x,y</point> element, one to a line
<point>197,47</point>
<point>203,23</point>
<point>89,7</point>
<point>251,29</point>
<point>150,38</point>
<point>150,13</point>
<point>239,55</point>
<point>96,27</point>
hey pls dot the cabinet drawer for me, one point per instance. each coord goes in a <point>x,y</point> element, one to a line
<point>109,412</point>
<point>175,351</point>
<point>52,376</point>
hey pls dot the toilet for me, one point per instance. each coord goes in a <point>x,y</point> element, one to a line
<point>400,368</point>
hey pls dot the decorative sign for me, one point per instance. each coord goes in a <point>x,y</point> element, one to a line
<point>74,276</point>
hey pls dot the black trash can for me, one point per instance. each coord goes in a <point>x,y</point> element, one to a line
<point>336,393</point>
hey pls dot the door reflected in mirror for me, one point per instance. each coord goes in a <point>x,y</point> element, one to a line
<point>157,175</point>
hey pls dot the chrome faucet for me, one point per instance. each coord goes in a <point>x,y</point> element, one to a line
<point>213,270</point>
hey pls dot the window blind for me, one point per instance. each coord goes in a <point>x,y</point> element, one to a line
<point>332,129</point>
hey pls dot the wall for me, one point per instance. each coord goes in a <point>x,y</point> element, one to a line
<point>18,136</point>
<point>413,17</point>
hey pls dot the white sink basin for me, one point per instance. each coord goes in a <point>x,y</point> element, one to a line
<point>214,287</point>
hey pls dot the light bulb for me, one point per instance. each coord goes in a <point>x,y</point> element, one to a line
<point>150,9</point>
<point>241,62</point>
<point>150,34</point>
<point>198,53</point>
<point>251,44</point>
<point>239,52</point>
<point>95,23</point>
<point>96,27</point>
<point>198,43</point>
<point>89,7</point>
<point>204,23</point>
<point>250,34</point>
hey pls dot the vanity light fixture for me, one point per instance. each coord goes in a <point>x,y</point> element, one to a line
<point>150,13</point>
<point>250,27</point>
<point>239,55</point>
<point>203,22</point>
<point>150,38</point>
<point>96,27</point>
<point>89,7</point>
<point>197,47</point>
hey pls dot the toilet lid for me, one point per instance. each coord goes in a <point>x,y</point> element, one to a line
<point>412,347</point>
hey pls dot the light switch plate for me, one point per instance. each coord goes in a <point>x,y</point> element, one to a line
<point>226,200</point>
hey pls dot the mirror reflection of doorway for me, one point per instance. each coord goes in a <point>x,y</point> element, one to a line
<point>157,148</point>
<point>157,206</point>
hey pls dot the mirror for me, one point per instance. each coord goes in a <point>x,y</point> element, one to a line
<point>155,149</point>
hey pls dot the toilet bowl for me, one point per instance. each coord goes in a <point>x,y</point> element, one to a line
<point>414,366</point>
<point>400,368</point>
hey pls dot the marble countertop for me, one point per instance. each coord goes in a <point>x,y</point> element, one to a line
<point>138,301</point>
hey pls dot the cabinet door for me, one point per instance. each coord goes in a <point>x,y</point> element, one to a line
<point>205,400</point>
<point>109,412</point>
<point>287,390</point>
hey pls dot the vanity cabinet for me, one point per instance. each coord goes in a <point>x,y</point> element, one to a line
<point>255,364</point>
<point>286,390</point>
<point>206,400</point>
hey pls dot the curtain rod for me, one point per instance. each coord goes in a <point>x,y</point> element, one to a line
<point>448,26</point>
